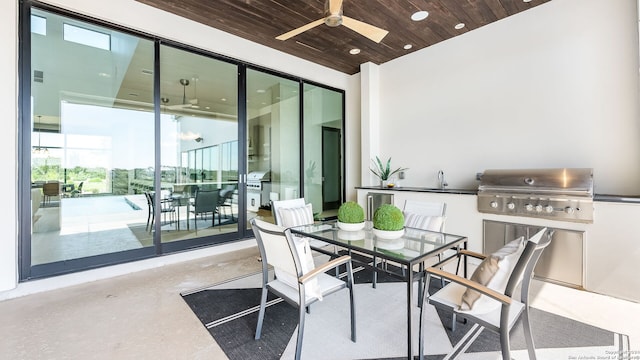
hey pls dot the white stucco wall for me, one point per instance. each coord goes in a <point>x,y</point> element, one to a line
<point>554,86</point>
<point>8,143</point>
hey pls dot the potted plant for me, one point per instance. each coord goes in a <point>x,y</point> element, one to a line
<point>383,171</point>
<point>351,216</point>
<point>388,222</point>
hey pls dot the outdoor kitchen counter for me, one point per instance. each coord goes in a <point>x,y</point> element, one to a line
<point>597,197</point>
<point>617,198</point>
<point>421,189</point>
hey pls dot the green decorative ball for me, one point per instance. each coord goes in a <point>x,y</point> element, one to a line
<point>350,212</point>
<point>388,217</point>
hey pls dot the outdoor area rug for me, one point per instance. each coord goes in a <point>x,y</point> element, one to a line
<point>229,311</point>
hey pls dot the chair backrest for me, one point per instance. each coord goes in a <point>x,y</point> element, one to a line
<point>523,270</point>
<point>51,188</point>
<point>149,198</point>
<point>190,190</point>
<point>285,204</point>
<point>276,248</point>
<point>226,193</point>
<point>206,201</point>
<point>426,209</point>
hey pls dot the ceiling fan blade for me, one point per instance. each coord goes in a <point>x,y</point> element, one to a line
<point>299,30</point>
<point>372,32</point>
<point>335,6</point>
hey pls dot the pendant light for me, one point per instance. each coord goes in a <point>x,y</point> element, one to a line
<point>39,150</point>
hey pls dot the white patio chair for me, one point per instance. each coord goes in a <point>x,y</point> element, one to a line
<point>294,282</point>
<point>296,212</point>
<point>487,298</point>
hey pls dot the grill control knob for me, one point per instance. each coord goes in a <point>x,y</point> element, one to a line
<point>528,207</point>
<point>493,204</point>
<point>569,210</point>
<point>548,208</point>
<point>538,208</point>
<point>511,206</point>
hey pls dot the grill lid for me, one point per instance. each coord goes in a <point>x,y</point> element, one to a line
<point>256,176</point>
<point>563,181</point>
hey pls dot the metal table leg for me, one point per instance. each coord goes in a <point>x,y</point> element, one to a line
<point>409,279</point>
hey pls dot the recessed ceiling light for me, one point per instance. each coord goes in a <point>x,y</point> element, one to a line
<point>354,51</point>
<point>419,15</point>
<point>260,91</point>
<point>526,0</point>
<point>224,99</point>
<point>459,26</point>
<point>408,46</point>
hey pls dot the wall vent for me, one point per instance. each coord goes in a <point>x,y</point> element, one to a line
<point>38,76</point>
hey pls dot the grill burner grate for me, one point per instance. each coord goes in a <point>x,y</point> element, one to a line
<point>559,194</point>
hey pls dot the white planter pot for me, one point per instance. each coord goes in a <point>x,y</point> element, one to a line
<point>388,235</point>
<point>350,226</point>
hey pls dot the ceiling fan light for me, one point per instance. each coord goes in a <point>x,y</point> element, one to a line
<point>419,15</point>
<point>333,20</point>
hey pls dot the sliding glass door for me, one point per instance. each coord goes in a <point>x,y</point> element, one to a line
<point>92,128</point>
<point>133,147</point>
<point>199,147</point>
<point>273,142</point>
<point>323,148</point>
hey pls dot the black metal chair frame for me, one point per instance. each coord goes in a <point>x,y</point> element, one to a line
<point>203,204</point>
<point>166,207</point>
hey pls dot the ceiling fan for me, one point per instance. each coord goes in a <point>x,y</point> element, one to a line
<point>334,17</point>
<point>186,104</point>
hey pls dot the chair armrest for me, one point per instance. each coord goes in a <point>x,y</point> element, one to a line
<point>323,268</point>
<point>471,284</point>
<point>472,254</point>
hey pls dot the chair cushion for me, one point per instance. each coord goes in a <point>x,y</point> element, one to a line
<point>297,216</point>
<point>306,262</point>
<point>432,223</point>
<point>493,272</point>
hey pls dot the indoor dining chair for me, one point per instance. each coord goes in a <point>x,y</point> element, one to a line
<point>295,281</point>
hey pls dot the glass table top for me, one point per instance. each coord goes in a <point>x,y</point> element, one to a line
<point>412,247</point>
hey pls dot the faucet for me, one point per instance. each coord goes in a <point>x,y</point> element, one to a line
<point>441,180</point>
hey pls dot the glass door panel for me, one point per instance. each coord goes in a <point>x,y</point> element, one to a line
<point>323,149</point>
<point>198,116</point>
<point>92,140</point>
<point>273,142</point>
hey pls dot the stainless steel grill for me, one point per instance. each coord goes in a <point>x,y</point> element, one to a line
<point>560,194</point>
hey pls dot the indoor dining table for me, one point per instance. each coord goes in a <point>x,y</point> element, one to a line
<point>409,251</point>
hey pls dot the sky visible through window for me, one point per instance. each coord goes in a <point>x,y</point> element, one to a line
<point>87,37</point>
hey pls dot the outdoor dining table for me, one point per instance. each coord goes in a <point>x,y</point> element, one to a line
<point>409,251</point>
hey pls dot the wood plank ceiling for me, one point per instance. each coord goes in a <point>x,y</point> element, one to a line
<point>262,20</point>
